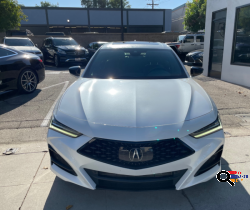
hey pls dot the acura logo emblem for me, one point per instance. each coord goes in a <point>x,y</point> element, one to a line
<point>135,154</point>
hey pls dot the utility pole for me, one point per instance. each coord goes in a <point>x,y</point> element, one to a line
<point>153,3</point>
<point>122,21</point>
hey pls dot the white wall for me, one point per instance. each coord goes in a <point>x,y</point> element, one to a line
<point>230,73</point>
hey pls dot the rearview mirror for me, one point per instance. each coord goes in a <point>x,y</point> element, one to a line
<point>195,71</point>
<point>75,70</point>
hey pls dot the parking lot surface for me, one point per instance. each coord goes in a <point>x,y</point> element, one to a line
<point>27,183</point>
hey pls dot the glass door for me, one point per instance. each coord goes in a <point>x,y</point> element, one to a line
<point>217,43</point>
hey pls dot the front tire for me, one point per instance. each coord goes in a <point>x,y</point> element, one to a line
<point>27,81</point>
<point>57,61</point>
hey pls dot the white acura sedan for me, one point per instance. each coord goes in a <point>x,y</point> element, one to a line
<point>135,120</point>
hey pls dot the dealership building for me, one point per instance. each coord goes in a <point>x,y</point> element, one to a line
<point>227,41</point>
<point>178,15</point>
<point>80,20</point>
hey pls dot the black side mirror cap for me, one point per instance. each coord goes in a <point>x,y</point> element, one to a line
<point>75,70</point>
<point>195,71</point>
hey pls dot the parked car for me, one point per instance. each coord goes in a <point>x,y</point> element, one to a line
<point>94,46</point>
<point>62,50</point>
<point>22,44</point>
<point>194,58</point>
<point>19,70</point>
<point>55,33</point>
<point>187,43</point>
<point>135,120</point>
<point>25,32</point>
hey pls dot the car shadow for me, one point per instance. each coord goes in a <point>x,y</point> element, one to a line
<point>208,195</point>
<point>14,99</point>
<point>65,67</point>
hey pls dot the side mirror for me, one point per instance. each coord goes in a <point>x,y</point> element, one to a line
<point>195,71</point>
<point>75,70</point>
<point>36,45</point>
<point>180,41</point>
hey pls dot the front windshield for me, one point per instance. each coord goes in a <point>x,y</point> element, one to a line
<point>135,64</point>
<point>60,42</point>
<point>18,42</point>
<point>180,38</point>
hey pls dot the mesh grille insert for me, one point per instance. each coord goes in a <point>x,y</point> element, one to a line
<point>135,155</point>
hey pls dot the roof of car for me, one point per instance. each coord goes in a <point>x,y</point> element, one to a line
<point>60,37</point>
<point>16,37</point>
<point>135,44</point>
<point>201,34</point>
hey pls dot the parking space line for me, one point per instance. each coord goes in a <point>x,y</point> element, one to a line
<point>48,116</point>
<point>53,85</point>
<point>54,72</point>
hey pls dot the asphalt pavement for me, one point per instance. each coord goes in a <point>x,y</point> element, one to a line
<point>27,183</point>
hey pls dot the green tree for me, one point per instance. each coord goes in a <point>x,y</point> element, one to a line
<point>117,4</point>
<point>195,15</point>
<point>47,4</point>
<point>104,3</point>
<point>10,15</point>
<point>94,3</point>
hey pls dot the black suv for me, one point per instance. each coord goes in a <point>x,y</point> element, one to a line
<point>63,50</point>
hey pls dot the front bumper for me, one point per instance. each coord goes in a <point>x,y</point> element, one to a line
<point>84,167</point>
<point>72,59</point>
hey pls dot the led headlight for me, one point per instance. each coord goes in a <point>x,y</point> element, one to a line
<point>59,127</point>
<point>209,129</point>
<point>61,51</point>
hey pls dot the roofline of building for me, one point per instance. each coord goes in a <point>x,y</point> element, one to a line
<point>183,5</point>
<point>81,8</point>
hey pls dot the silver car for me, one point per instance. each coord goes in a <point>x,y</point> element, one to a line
<point>22,44</point>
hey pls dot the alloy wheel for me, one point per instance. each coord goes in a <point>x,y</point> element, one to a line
<point>28,81</point>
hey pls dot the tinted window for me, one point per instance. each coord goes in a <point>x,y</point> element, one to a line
<point>4,52</point>
<point>135,64</point>
<point>180,38</point>
<point>18,42</point>
<point>58,42</point>
<point>200,39</point>
<point>97,45</point>
<point>189,39</point>
<point>91,45</point>
<point>46,43</point>
<point>241,52</point>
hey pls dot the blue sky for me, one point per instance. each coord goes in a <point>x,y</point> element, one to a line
<point>163,4</point>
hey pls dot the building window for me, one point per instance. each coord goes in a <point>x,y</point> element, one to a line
<point>241,45</point>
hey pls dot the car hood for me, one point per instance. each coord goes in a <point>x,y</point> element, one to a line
<point>71,47</point>
<point>140,110</point>
<point>196,52</point>
<point>135,103</point>
<point>26,48</point>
